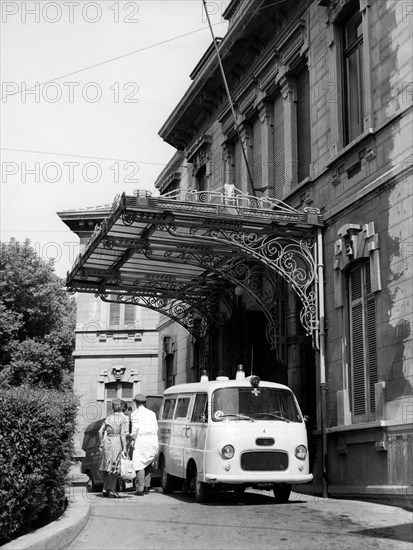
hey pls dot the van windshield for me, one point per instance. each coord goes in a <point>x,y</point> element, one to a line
<point>254,404</point>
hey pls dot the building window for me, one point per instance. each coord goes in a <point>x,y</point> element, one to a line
<point>173,186</point>
<point>238,165</point>
<point>169,361</point>
<point>363,342</point>
<point>169,371</point>
<point>122,315</point>
<point>118,390</point>
<point>303,125</point>
<point>352,41</point>
<point>201,180</point>
<point>278,152</point>
<point>256,157</point>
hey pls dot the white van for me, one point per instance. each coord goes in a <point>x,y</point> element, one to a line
<point>232,434</point>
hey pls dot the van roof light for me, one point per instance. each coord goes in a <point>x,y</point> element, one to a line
<point>240,373</point>
<point>204,376</point>
<point>255,381</point>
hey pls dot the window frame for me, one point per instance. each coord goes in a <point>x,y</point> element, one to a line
<point>198,397</point>
<point>183,399</point>
<point>130,325</point>
<point>353,84</point>
<point>171,411</point>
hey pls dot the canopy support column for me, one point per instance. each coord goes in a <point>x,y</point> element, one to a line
<point>321,357</point>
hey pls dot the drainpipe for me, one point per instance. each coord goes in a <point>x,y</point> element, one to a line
<point>322,358</point>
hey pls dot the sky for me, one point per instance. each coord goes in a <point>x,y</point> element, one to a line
<point>86,86</point>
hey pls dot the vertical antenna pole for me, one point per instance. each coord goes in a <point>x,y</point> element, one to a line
<point>224,78</point>
<point>252,359</point>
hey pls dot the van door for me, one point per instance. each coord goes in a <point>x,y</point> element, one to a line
<point>195,433</point>
<point>178,430</point>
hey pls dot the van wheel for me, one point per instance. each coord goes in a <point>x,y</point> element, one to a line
<point>201,489</point>
<point>281,492</point>
<point>167,481</point>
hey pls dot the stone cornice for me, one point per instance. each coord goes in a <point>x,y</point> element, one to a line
<point>185,124</point>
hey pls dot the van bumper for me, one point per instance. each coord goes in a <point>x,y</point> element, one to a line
<point>258,478</point>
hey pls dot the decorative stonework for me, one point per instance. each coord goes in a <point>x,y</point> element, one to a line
<point>118,373</point>
<point>289,88</point>
<point>354,243</point>
<point>201,144</point>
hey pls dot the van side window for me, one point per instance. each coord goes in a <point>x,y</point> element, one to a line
<point>200,412</point>
<point>182,407</point>
<point>168,409</point>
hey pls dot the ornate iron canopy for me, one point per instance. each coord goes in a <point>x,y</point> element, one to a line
<point>184,253</point>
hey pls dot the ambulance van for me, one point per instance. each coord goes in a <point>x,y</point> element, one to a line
<point>230,435</point>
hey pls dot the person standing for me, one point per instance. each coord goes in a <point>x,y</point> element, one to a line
<point>113,445</point>
<point>145,434</point>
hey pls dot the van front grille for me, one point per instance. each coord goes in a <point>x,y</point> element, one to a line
<point>264,461</point>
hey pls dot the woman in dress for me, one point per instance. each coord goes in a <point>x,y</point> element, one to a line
<point>113,446</point>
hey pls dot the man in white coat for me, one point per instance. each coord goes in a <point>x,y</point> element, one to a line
<point>145,433</point>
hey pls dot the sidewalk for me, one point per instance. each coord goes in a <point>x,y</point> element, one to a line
<point>60,533</point>
<point>384,521</point>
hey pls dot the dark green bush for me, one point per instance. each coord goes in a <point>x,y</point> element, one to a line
<point>36,437</point>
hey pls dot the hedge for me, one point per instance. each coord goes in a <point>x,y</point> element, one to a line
<point>36,439</point>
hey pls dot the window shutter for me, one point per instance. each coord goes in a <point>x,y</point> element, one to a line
<point>256,155</point>
<point>356,281</point>
<point>359,393</point>
<point>278,148</point>
<point>114,314</point>
<point>363,325</point>
<point>130,314</point>
<point>303,125</point>
<point>357,341</point>
<point>372,347</point>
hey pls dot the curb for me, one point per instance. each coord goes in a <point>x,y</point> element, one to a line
<point>60,533</point>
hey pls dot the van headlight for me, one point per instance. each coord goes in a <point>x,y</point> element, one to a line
<point>227,451</point>
<point>301,452</point>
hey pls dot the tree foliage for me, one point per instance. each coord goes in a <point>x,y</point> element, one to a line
<point>37,320</point>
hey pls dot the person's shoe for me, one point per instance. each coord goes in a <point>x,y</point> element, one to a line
<point>147,489</point>
<point>105,494</point>
<point>139,493</point>
<point>113,495</point>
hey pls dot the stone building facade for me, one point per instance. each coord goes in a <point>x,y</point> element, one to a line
<point>322,94</point>
<point>116,349</point>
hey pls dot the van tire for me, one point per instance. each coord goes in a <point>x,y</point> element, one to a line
<point>282,492</point>
<point>201,489</point>
<point>168,483</point>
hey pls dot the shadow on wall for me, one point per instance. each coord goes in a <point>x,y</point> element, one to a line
<point>392,216</point>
